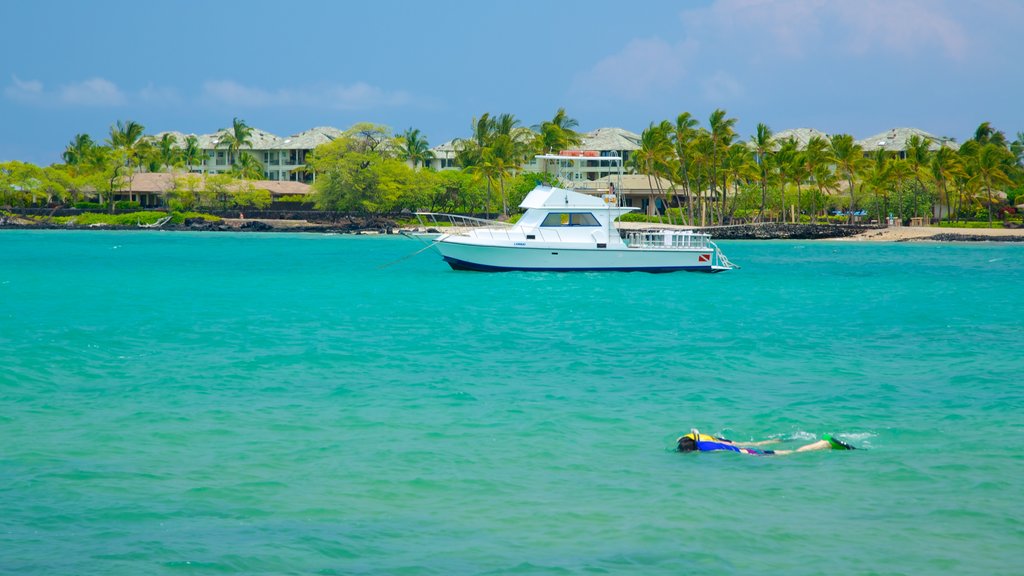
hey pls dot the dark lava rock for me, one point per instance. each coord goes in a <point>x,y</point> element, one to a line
<point>256,226</point>
<point>973,238</point>
<point>774,231</point>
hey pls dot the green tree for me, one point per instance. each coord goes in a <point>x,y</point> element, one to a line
<point>187,191</point>
<point>355,176</point>
<point>235,138</point>
<point>79,150</point>
<point>918,158</point>
<point>785,168</point>
<point>986,134</point>
<point>169,155</point>
<point>245,194</point>
<point>763,145</point>
<point>817,160</point>
<point>247,167</point>
<point>370,138</point>
<point>653,157</point>
<point>946,167</point>
<point>559,133</point>
<point>738,169</point>
<point>126,143</point>
<point>988,165</point>
<point>682,138</point>
<point>218,187</point>
<point>722,134</point>
<point>191,154</point>
<point>849,158</point>
<point>413,147</point>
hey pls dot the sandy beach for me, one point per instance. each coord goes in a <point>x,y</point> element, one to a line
<point>928,233</point>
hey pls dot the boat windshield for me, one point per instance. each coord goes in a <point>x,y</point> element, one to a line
<point>570,219</point>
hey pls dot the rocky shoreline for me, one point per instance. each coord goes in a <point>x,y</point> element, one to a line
<point>774,231</point>
<point>374,225</point>
<point>352,225</point>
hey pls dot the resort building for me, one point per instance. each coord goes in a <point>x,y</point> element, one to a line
<point>801,135</point>
<point>151,189</point>
<point>596,144</point>
<point>283,159</point>
<point>895,140</point>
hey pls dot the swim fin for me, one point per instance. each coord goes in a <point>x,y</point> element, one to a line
<point>837,444</point>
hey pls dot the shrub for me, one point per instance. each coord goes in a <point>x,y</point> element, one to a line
<point>89,206</point>
<point>127,205</point>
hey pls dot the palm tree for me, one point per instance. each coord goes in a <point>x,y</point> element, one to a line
<point>789,168</point>
<point>816,159</point>
<point>168,153</point>
<point>849,157</point>
<point>126,139</point>
<point>878,176</point>
<point>918,157</point>
<point>414,148</point>
<point>237,137</point>
<point>722,135</point>
<point>945,167</point>
<point>78,150</point>
<point>191,154</point>
<point>738,168</point>
<point>682,137</point>
<point>763,145</point>
<point>989,170</point>
<point>986,134</point>
<point>899,173</point>
<point>700,169</point>
<point>1017,147</point>
<point>247,167</point>
<point>558,133</point>
<point>653,156</point>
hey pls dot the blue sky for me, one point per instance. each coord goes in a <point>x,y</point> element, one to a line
<point>859,67</point>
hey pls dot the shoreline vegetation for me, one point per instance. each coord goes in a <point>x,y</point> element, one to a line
<point>800,184</point>
<point>372,225</point>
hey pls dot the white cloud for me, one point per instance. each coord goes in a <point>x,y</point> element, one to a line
<point>24,90</point>
<point>798,28</point>
<point>906,27</point>
<point>358,96</point>
<point>643,67</point>
<point>91,92</point>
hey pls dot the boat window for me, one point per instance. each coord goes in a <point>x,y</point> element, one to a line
<point>570,219</point>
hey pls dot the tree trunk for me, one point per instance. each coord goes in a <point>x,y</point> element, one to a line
<point>689,196</point>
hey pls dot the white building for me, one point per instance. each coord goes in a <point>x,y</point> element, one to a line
<point>595,144</point>
<point>283,159</point>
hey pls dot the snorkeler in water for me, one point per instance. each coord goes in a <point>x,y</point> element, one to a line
<point>697,442</point>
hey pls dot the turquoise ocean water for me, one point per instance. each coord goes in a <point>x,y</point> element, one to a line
<point>189,403</point>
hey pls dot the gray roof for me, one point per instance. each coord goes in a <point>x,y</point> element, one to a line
<point>895,140</point>
<point>801,135</point>
<point>263,140</point>
<point>310,139</point>
<point>610,139</point>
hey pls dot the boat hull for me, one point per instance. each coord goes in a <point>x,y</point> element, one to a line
<point>492,258</point>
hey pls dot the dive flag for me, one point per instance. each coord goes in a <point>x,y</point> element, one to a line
<point>704,258</point>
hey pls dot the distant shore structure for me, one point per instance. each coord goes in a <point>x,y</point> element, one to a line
<point>283,158</point>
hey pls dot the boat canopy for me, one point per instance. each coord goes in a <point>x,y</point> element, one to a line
<point>548,197</point>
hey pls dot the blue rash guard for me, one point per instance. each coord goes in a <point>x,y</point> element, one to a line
<point>707,443</point>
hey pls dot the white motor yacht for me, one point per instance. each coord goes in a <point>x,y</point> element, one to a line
<point>563,230</point>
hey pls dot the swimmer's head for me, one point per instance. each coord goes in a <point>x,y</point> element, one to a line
<point>686,444</point>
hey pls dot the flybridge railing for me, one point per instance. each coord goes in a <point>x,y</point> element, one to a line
<point>441,220</point>
<point>668,240</point>
<point>457,224</point>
